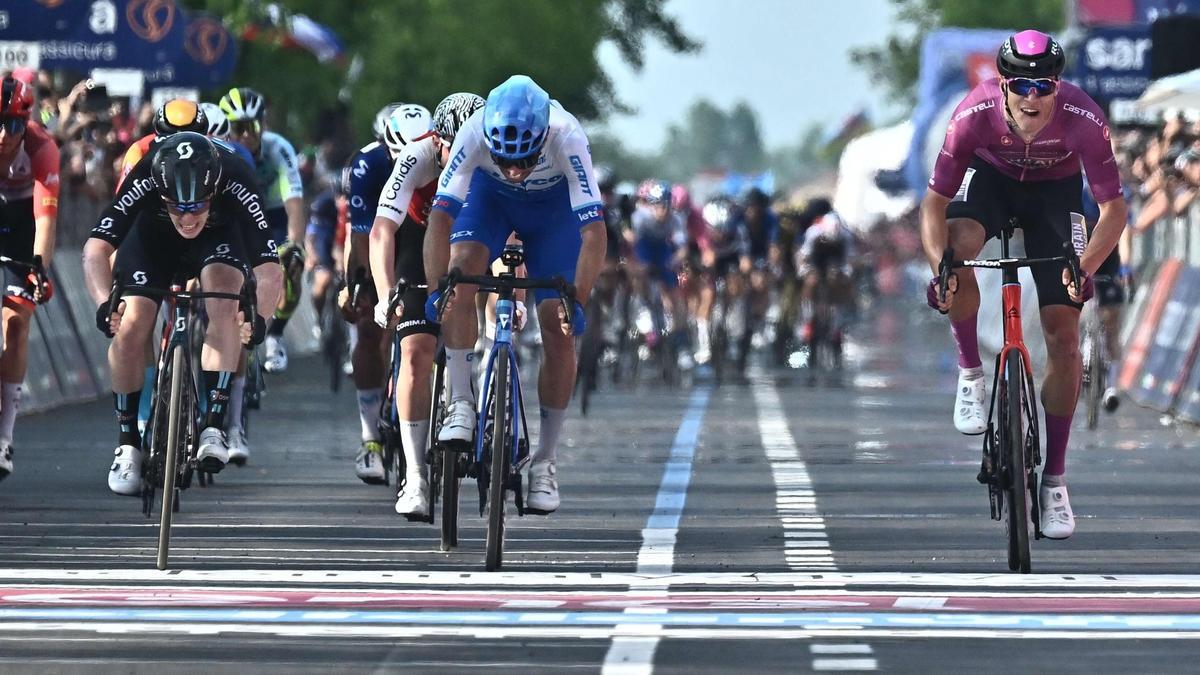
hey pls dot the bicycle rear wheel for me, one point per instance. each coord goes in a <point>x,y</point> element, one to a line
<point>176,434</point>
<point>498,476</point>
<point>1012,452</point>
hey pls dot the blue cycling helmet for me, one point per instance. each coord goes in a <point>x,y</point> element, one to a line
<point>516,117</point>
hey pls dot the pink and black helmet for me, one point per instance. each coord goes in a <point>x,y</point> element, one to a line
<point>1031,54</point>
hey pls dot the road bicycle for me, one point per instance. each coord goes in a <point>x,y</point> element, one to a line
<point>1011,445</point>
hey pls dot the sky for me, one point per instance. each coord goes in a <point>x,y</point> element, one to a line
<point>789,59</point>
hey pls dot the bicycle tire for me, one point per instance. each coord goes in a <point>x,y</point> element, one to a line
<point>175,422</point>
<point>1012,449</point>
<point>1095,377</point>
<point>498,476</point>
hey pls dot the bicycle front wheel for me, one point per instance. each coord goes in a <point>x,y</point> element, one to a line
<point>1012,450</point>
<point>176,433</point>
<point>1094,375</point>
<point>498,476</point>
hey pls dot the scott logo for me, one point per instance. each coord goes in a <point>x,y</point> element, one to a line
<point>106,223</point>
<point>139,278</point>
<point>184,150</point>
<point>222,249</point>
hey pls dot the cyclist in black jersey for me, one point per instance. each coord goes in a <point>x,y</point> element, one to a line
<point>191,209</point>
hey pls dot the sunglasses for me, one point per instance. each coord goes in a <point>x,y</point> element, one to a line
<point>13,125</point>
<point>245,127</point>
<point>1023,86</point>
<point>188,207</point>
<point>522,164</point>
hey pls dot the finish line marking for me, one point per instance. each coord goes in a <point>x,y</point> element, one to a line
<point>634,655</point>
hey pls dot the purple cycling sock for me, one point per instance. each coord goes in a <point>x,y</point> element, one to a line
<point>1058,432</point>
<point>968,342</point>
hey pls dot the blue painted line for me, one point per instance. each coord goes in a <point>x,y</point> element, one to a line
<point>672,491</point>
<point>1051,622</point>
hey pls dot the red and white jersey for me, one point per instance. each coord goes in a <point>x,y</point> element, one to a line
<point>33,172</point>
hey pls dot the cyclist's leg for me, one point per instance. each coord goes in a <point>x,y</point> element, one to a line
<point>1110,294</point>
<point>17,312</point>
<point>222,261</point>
<point>276,353</point>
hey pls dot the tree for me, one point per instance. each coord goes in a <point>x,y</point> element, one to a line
<point>744,144</point>
<point>422,50</point>
<point>895,63</point>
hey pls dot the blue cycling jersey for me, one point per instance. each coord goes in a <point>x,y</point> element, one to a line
<point>370,169</point>
<point>322,215</point>
<point>237,148</point>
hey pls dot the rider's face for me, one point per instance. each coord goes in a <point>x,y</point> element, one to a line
<point>1030,112</point>
<point>190,224</point>
<point>660,212</point>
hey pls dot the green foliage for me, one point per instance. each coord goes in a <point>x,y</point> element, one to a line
<point>421,50</point>
<point>895,63</point>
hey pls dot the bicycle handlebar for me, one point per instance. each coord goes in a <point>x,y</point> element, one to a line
<point>396,296</point>
<point>565,290</point>
<point>948,264</point>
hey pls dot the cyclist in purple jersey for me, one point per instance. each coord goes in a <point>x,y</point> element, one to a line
<point>1014,148</point>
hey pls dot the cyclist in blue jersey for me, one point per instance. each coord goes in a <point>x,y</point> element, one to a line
<point>525,163</point>
<point>320,238</point>
<point>283,195</point>
<point>366,176</point>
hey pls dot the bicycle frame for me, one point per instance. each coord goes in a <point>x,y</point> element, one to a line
<point>505,311</point>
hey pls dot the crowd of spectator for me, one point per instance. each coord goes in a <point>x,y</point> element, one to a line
<point>1161,167</point>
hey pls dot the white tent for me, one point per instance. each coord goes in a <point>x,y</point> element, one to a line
<point>1180,91</point>
<point>857,198</point>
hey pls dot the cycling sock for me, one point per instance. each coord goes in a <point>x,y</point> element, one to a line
<point>459,363</point>
<point>237,391</point>
<point>968,341</point>
<point>1053,480</point>
<point>1058,432</point>
<point>415,437</point>
<point>552,424</point>
<point>10,403</point>
<point>276,327</point>
<point>702,334</point>
<point>216,383</point>
<point>126,406</point>
<point>368,412</point>
<point>146,404</point>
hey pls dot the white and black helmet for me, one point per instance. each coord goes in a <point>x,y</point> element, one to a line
<point>218,124</point>
<point>452,113</point>
<point>381,119</point>
<point>407,123</point>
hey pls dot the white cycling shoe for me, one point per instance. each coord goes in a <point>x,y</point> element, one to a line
<point>239,449</point>
<point>543,488</point>
<point>368,465</point>
<point>6,461</point>
<point>459,424</point>
<point>276,360</point>
<point>125,474</point>
<point>1057,520</point>
<point>413,499</point>
<point>969,415</point>
<point>214,450</point>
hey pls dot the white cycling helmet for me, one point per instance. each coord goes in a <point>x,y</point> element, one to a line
<point>404,125</point>
<point>218,124</point>
<point>381,119</point>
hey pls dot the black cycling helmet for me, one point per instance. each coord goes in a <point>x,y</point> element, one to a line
<point>1031,54</point>
<point>179,115</point>
<point>755,197</point>
<point>186,168</point>
<point>818,206</point>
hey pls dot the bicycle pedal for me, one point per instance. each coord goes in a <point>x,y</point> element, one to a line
<point>211,465</point>
<point>418,519</point>
<point>238,462</point>
<point>536,512</point>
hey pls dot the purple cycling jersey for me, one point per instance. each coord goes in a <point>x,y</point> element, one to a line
<point>1077,133</point>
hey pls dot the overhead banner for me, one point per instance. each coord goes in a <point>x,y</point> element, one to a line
<point>155,36</point>
<point>1112,63</point>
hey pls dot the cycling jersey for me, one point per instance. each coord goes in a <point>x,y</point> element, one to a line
<point>370,169</point>
<point>828,242</point>
<point>1077,132</point>
<point>32,173</point>
<point>547,210</point>
<point>278,171</point>
<point>671,229</point>
<point>565,161</point>
<point>757,239</point>
<point>410,188</point>
<point>322,226</point>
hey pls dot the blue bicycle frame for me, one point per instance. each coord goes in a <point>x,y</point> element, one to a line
<point>505,315</point>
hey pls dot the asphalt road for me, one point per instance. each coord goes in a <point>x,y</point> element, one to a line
<point>772,527</point>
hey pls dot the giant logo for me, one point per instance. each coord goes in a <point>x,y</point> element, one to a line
<point>205,40</point>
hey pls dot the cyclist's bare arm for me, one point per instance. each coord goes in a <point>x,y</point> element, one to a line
<point>935,233</point>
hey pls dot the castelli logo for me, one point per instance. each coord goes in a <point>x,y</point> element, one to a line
<point>150,20</point>
<point>1105,132</point>
<point>1005,140</point>
<point>205,40</point>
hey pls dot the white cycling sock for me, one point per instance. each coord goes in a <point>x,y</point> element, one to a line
<point>237,391</point>
<point>368,412</point>
<point>10,404</point>
<point>702,335</point>
<point>970,373</point>
<point>552,424</point>
<point>415,437</point>
<point>459,363</point>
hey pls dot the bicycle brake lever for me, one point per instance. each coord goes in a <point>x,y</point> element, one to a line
<point>1073,266</point>
<point>944,271</point>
